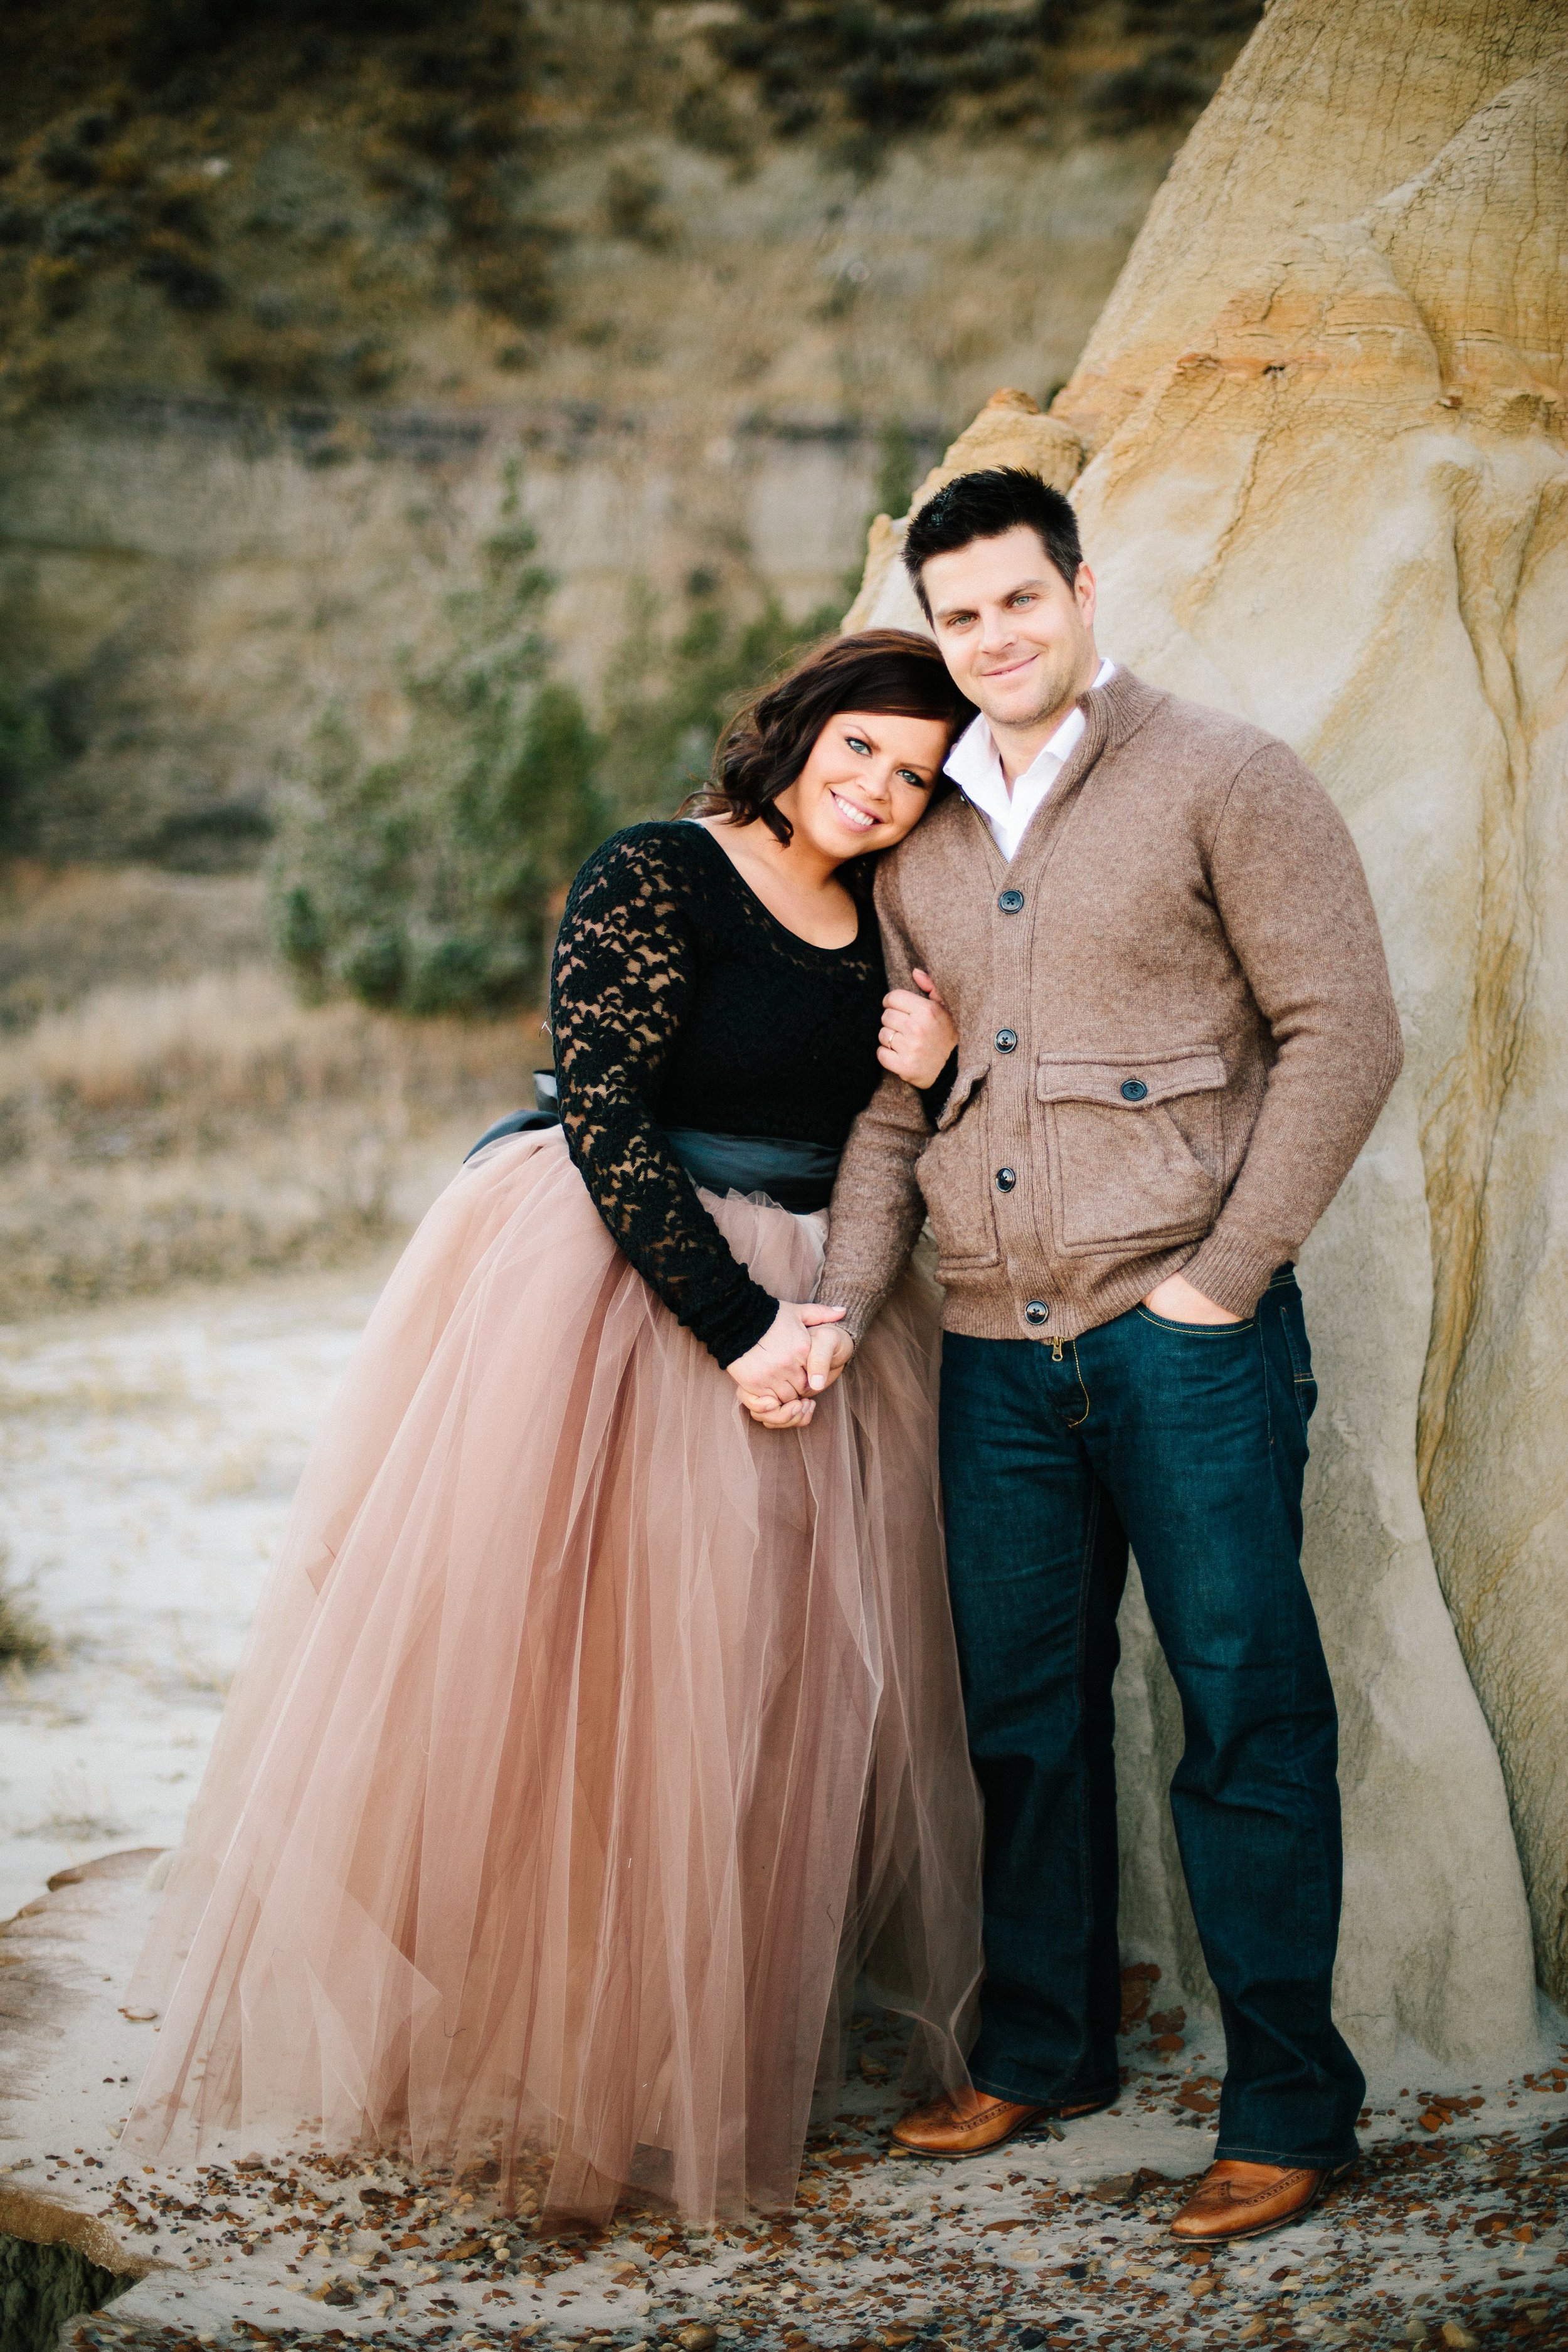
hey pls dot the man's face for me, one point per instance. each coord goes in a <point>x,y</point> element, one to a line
<point>1017,638</point>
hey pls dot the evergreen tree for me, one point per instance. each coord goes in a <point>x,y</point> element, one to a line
<point>426,882</point>
<point>668,702</point>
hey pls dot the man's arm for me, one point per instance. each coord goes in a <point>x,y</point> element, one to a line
<point>877,1211</point>
<point>1293,897</point>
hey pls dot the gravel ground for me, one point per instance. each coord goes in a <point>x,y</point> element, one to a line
<point>1448,2234</point>
<point>149,1456</point>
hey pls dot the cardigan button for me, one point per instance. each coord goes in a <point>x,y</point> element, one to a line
<point>1010,901</point>
<point>1006,1039</point>
<point>1133,1089</point>
<point>1005,1179</point>
<point>1036,1311</point>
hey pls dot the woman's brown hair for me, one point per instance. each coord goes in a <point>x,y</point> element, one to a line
<point>769,741</point>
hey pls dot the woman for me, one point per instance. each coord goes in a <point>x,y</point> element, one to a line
<point>592,1738</point>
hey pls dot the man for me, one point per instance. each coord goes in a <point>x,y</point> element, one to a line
<point>1175,1030</point>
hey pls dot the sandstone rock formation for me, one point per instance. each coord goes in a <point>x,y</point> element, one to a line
<point>1327,485</point>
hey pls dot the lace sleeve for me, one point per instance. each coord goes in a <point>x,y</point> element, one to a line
<point>620,985</point>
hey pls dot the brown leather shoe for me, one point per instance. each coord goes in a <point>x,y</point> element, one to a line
<point>1244,2200</point>
<point>972,2123</point>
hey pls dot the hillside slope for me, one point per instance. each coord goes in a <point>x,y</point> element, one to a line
<point>292,293</point>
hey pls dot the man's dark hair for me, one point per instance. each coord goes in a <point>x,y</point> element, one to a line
<point>983,506</point>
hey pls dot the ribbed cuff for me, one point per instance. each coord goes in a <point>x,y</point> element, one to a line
<point>1232,1267</point>
<point>861,1306</point>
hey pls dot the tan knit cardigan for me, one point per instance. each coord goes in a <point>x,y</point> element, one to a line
<point>1175,1032</point>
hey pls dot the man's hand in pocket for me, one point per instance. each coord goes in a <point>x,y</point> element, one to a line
<point>1178,1302</point>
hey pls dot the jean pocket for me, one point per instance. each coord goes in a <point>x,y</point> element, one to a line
<point>1196,1330</point>
<point>1298,1347</point>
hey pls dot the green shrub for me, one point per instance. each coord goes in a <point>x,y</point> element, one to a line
<point>668,702</point>
<point>24,1641</point>
<point>1160,88</point>
<point>42,2286</point>
<point>30,749</point>
<point>426,882</point>
<point>875,71</point>
<point>898,467</point>
<point>173,263</point>
<point>429,883</point>
<point>887,65</point>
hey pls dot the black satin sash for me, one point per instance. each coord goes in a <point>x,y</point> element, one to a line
<point>798,1176</point>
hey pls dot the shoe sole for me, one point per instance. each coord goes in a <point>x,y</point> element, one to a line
<point>1050,2116</point>
<point>1266,2229</point>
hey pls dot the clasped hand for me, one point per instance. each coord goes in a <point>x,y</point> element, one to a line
<point>801,1353</point>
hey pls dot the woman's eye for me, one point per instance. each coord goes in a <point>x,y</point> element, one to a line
<point>908,776</point>
<point>859,743</point>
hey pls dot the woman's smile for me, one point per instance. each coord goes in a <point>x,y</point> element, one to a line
<point>850,812</point>
<point>894,757</point>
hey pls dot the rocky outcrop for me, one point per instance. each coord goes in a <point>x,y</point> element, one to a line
<point>1327,485</point>
<point>64,2248</point>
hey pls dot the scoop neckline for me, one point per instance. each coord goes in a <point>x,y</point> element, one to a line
<point>797,937</point>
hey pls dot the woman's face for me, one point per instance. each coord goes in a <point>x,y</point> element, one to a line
<point>866,781</point>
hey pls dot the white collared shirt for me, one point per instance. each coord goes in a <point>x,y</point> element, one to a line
<point>976,766</point>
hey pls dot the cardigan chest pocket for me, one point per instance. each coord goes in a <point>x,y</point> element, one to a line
<point>1134,1145</point>
<point>952,1174</point>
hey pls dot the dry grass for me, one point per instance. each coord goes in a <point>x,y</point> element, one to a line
<point>24,1640</point>
<point>192,1052</point>
<point>67,930</point>
<point>207,1129</point>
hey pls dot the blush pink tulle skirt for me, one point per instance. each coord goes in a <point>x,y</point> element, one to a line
<point>591,1743</point>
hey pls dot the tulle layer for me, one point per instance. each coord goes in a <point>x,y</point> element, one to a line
<point>589,1741</point>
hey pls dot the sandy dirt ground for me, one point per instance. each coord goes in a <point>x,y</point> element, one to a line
<point>148,1457</point>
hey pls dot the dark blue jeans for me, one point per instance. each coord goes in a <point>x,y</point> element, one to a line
<point>1190,1440</point>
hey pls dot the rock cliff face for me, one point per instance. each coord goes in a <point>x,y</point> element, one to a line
<point>189,575</point>
<point>1326,485</point>
<point>290,304</point>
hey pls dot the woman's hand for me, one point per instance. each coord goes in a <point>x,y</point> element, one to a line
<point>768,1415</point>
<point>829,1349</point>
<point>918,1032</point>
<point>774,1371</point>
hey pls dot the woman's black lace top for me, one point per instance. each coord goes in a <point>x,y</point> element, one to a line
<point>678,1000</point>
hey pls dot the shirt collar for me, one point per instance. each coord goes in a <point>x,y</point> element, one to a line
<point>976,764</point>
